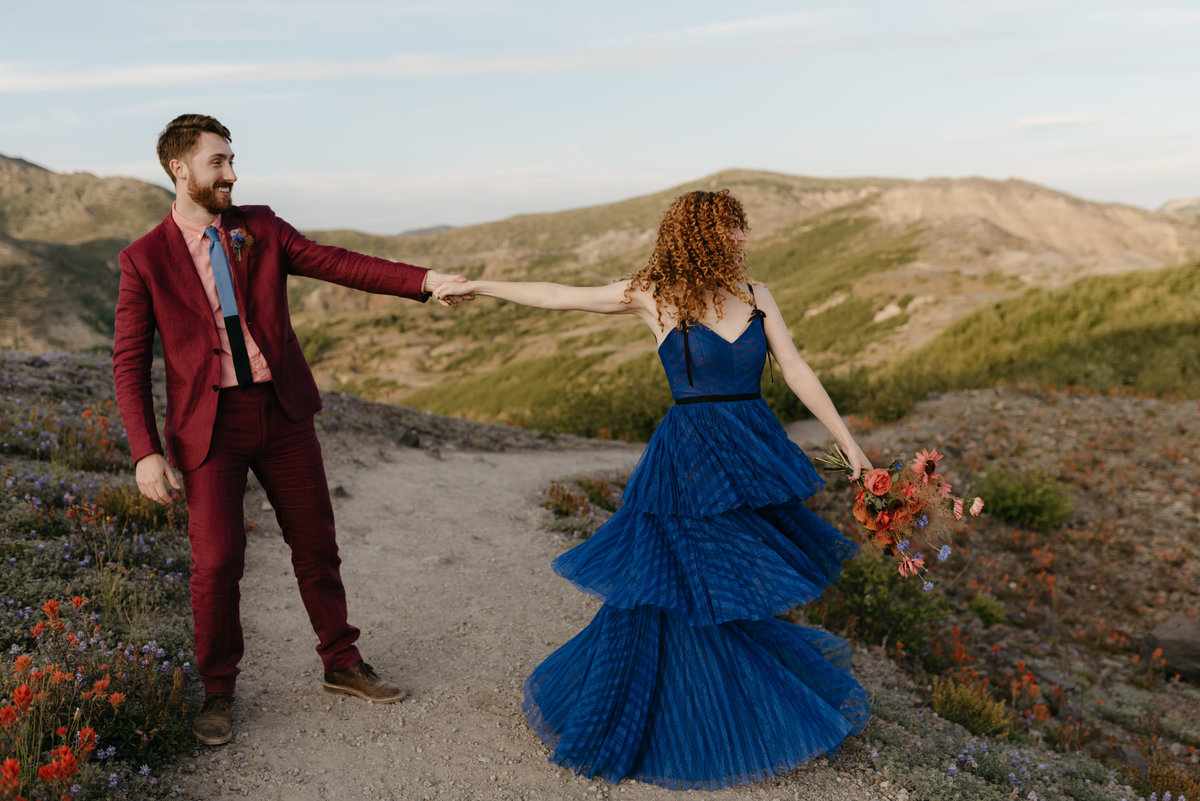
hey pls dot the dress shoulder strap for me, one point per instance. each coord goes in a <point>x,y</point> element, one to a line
<point>761,316</point>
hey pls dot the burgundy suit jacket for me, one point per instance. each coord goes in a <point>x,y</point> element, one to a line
<point>161,290</point>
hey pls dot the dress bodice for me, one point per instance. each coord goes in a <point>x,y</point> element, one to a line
<point>718,366</point>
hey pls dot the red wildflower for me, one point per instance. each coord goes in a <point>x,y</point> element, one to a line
<point>37,630</point>
<point>87,740</point>
<point>10,775</point>
<point>116,699</point>
<point>51,609</point>
<point>62,768</point>
<point>78,602</point>
<point>21,664</point>
<point>8,715</point>
<point>22,698</point>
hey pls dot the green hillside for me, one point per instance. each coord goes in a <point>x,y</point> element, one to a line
<point>1138,332</point>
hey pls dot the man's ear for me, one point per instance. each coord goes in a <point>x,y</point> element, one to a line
<point>178,169</point>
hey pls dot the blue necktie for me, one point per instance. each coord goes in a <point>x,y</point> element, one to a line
<point>229,308</point>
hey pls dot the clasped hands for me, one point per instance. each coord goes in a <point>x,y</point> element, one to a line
<point>439,285</point>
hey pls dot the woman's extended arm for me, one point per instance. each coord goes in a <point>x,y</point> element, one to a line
<point>804,382</point>
<point>609,299</point>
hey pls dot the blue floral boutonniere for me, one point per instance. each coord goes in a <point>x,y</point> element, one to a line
<point>241,240</point>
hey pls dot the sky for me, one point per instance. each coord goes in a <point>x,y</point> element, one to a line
<point>391,115</point>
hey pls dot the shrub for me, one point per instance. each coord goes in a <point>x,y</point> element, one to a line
<point>583,504</point>
<point>970,706</point>
<point>1026,498</point>
<point>987,609</point>
<point>873,603</point>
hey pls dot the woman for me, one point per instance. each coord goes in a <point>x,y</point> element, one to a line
<point>685,678</point>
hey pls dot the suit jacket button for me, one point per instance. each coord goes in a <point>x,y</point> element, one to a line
<point>217,351</point>
<point>216,388</point>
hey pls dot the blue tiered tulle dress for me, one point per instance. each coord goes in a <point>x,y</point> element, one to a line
<point>684,678</point>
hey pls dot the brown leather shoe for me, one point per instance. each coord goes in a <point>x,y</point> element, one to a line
<point>214,724</point>
<point>360,679</point>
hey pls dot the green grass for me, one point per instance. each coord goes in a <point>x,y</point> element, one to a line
<point>1138,332</point>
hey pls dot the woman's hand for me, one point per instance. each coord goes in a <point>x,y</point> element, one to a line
<point>454,289</point>
<point>857,459</point>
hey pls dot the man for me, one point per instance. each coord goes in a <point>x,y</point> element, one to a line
<point>211,278</point>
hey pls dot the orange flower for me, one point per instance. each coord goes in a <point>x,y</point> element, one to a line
<point>101,685</point>
<point>22,664</point>
<point>8,715</point>
<point>862,515</point>
<point>116,699</point>
<point>51,609</point>
<point>37,630</point>
<point>78,602</point>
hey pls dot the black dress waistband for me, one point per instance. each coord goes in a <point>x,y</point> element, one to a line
<point>720,398</point>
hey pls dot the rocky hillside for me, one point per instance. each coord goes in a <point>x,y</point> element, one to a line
<point>59,240</point>
<point>865,270</point>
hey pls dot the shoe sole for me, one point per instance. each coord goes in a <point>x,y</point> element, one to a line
<point>213,740</point>
<point>338,689</point>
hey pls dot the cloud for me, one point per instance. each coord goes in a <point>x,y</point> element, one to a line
<point>735,39</point>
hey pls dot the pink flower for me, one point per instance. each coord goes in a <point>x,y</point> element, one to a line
<point>944,490</point>
<point>925,464</point>
<point>910,490</point>
<point>976,507</point>
<point>958,508</point>
<point>909,566</point>
<point>878,481</point>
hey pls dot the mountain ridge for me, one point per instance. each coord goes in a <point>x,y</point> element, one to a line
<point>864,269</point>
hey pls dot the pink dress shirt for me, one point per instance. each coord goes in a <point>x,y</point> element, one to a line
<point>197,242</point>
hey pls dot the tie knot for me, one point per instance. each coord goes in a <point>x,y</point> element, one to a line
<point>211,233</point>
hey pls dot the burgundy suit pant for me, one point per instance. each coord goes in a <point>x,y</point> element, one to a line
<point>253,433</point>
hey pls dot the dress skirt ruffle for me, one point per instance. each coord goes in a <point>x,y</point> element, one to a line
<point>685,678</point>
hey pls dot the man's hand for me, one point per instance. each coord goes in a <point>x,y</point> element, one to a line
<point>434,279</point>
<point>153,474</point>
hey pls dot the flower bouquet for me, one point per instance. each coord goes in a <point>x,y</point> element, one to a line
<point>905,507</point>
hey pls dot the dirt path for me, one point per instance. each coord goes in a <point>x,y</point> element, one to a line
<point>447,568</point>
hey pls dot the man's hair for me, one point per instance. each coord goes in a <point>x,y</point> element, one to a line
<point>179,138</point>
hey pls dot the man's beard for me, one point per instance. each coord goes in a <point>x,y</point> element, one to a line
<point>206,197</point>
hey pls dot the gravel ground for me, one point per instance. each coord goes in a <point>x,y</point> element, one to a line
<point>446,559</point>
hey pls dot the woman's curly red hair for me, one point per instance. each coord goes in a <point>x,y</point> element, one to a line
<point>695,256</point>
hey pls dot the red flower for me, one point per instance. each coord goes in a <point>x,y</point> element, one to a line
<point>8,715</point>
<point>877,481</point>
<point>62,768</point>
<point>22,698</point>
<point>78,602</point>
<point>37,630</point>
<point>87,739</point>
<point>51,609</point>
<point>10,775</point>
<point>21,664</point>
<point>116,699</point>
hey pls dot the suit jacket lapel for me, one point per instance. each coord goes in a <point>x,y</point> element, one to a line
<point>239,263</point>
<point>177,262</point>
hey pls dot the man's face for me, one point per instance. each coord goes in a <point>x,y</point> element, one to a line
<point>208,174</point>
